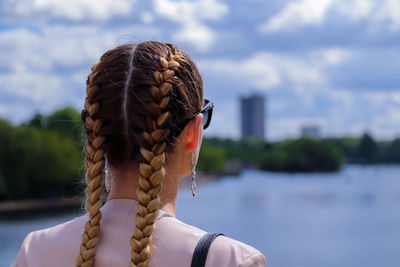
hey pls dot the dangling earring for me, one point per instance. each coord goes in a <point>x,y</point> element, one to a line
<point>108,183</point>
<point>107,179</point>
<point>193,175</point>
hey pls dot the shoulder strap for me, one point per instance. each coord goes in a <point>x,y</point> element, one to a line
<point>201,250</point>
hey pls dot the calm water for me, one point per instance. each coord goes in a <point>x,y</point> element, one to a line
<point>347,219</point>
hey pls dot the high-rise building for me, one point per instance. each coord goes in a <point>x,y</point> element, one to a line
<point>310,131</point>
<point>252,116</point>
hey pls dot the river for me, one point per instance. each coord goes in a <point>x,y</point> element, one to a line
<point>345,219</point>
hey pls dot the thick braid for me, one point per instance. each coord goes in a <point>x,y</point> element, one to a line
<point>94,164</point>
<point>151,171</point>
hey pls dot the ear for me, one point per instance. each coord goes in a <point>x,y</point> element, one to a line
<point>193,129</point>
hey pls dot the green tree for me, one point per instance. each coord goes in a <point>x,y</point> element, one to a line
<point>393,151</point>
<point>67,122</point>
<point>367,149</point>
<point>303,155</point>
<point>37,121</point>
<point>348,145</point>
<point>211,158</point>
<point>36,163</point>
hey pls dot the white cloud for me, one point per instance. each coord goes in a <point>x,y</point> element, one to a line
<point>63,46</point>
<point>198,35</point>
<point>309,12</point>
<point>253,71</point>
<point>396,97</point>
<point>392,116</point>
<point>191,15</point>
<point>75,10</point>
<point>147,17</point>
<point>265,70</point>
<point>355,9</point>
<point>378,12</point>
<point>381,98</point>
<point>34,86</point>
<point>49,69</point>
<point>23,51</point>
<point>334,56</point>
<point>182,11</point>
<point>36,91</point>
<point>389,11</point>
<point>70,47</point>
<point>385,125</point>
<point>345,97</point>
<point>298,13</point>
<point>373,111</point>
<point>56,46</point>
<point>17,112</point>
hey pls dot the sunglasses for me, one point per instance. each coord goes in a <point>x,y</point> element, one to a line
<point>207,114</point>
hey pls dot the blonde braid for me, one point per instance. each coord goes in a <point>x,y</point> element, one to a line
<point>94,164</point>
<point>151,171</point>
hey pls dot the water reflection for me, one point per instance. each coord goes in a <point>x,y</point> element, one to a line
<point>345,219</point>
<point>254,201</point>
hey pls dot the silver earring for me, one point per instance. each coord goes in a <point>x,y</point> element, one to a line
<point>193,175</point>
<point>108,184</point>
<point>107,179</point>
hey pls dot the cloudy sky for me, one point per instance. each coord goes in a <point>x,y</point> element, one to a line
<point>332,63</point>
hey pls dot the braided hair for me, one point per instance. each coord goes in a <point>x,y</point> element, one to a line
<point>136,95</point>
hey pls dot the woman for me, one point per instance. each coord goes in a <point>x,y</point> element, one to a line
<point>144,115</point>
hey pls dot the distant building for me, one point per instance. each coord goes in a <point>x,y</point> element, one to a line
<point>310,131</point>
<point>252,116</point>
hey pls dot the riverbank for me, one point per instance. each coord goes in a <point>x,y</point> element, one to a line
<point>22,208</point>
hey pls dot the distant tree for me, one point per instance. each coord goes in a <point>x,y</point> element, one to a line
<point>303,155</point>
<point>348,145</point>
<point>66,122</point>
<point>36,163</point>
<point>37,121</point>
<point>211,158</point>
<point>393,151</point>
<point>10,180</point>
<point>367,149</point>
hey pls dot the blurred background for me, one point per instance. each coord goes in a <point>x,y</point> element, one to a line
<point>302,157</point>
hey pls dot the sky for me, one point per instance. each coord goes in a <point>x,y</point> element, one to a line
<point>330,63</point>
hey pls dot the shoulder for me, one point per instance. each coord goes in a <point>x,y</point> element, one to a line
<point>224,251</point>
<point>173,237</point>
<point>41,247</point>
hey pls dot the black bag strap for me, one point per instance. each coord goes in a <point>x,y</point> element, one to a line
<point>201,250</point>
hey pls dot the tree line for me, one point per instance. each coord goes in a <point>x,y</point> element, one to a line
<point>43,157</point>
<point>299,155</point>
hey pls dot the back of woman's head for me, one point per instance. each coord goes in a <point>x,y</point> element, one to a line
<point>137,95</point>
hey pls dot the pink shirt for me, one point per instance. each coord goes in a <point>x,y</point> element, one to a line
<point>173,242</point>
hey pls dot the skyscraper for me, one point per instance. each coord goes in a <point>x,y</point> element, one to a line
<point>310,131</point>
<point>252,116</point>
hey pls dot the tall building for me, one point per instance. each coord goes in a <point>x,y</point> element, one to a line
<point>252,116</point>
<point>310,131</point>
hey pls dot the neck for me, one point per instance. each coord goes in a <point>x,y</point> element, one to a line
<point>124,184</point>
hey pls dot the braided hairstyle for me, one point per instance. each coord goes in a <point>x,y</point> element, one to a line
<point>136,95</point>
